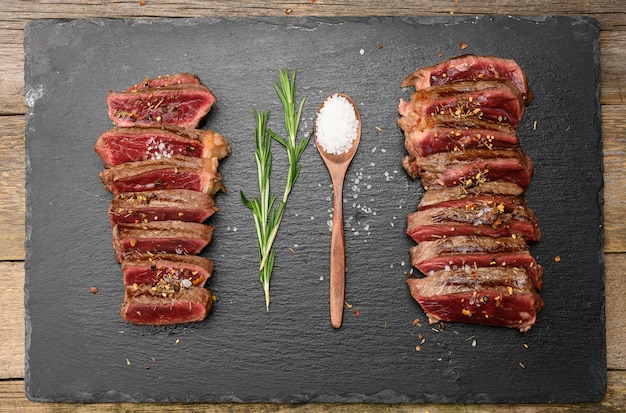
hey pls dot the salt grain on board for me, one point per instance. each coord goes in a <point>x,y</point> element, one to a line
<point>336,125</point>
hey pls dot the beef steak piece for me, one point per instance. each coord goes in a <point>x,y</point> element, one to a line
<point>177,172</point>
<point>470,67</point>
<point>485,192</point>
<point>174,269</point>
<point>442,133</point>
<point>495,100</point>
<point>171,237</point>
<point>494,296</point>
<point>121,145</point>
<point>173,204</point>
<point>471,251</point>
<point>144,305</point>
<point>471,167</point>
<point>181,105</point>
<point>165,80</point>
<point>435,223</point>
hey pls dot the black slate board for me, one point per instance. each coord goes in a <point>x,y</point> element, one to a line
<point>77,347</point>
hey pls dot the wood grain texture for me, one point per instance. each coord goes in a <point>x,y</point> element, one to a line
<point>12,316</point>
<point>12,178</point>
<point>15,14</point>
<point>614,147</point>
<point>615,309</point>
<point>609,13</point>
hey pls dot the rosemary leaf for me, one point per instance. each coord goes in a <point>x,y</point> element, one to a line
<point>267,215</point>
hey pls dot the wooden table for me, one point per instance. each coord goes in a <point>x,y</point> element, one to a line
<point>15,14</point>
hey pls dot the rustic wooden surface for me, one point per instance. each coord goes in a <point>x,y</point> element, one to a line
<point>15,14</point>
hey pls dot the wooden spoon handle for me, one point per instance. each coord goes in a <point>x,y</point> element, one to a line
<point>337,258</point>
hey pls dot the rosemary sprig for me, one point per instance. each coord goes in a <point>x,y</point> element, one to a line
<point>267,216</point>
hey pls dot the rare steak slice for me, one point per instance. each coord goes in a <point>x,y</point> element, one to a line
<point>166,80</point>
<point>507,192</point>
<point>470,251</point>
<point>470,67</point>
<point>177,172</point>
<point>179,271</point>
<point>170,237</point>
<point>471,167</point>
<point>170,204</point>
<point>435,223</point>
<point>445,133</point>
<point>496,100</point>
<point>120,145</point>
<point>494,296</point>
<point>181,105</point>
<point>145,305</point>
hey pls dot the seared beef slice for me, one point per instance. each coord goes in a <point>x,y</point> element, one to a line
<point>173,237</point>
<point>165,80</point>
<point>495,100</point>
<point>445,133</point>
<point>473,167</point>
<point>181,105</point>
<point>120,145</point>
<point>177,172</point>
<point>147,305</point>
<point>470,67</point>
<point>494,296</point>
<point>158,269</point>
<point>436,223</point>
<point>473,251</point>
<point>173,204</point>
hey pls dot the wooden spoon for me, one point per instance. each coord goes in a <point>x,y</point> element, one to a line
<point>337,165</point>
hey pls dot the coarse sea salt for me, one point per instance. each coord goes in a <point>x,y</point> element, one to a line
<point>336,125</point>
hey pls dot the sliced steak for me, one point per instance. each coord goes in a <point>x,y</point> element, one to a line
<point>496,100</point>
<point>180,271</point>
<point>170,237</point>
<point>472,167</point>
<point>470,67</point>
<point>494,296</point>
<point>181,105</point>
<point>435,223</point>
<point>455,195</point>
<point>474,201</point>
<point>165,80</point>
<point>145,306</point>
<point>177,172</point>
<point>121,145</point>
<point>445,133</point>
<point>472,251</point>
<point>173,204</point>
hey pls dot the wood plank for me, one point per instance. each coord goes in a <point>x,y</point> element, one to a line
<point>614,141</point>
<point>12,79</point>
<point>612,74</point>
<point>12,192</point>
<point>13,400</point>
<point>615,288</point>
<point>609,13</point>
<point>12,316</point>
